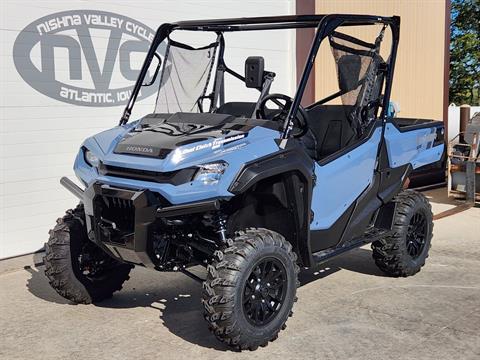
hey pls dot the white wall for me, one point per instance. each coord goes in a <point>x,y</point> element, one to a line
<point>454,119</point>
<point>40,136</point>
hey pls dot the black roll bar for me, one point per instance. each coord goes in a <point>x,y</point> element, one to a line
<point>325,25</point>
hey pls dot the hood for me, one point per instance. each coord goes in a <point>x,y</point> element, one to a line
<point>169,142</point>
<point>157,136</point>
<point>158,145</point>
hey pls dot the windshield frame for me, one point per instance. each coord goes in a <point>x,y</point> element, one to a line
<point>324,24</point>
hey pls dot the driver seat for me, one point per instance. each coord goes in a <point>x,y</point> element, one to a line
<point>237,109</point>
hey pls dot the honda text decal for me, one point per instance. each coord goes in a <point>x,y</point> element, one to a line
<point>83,57</point>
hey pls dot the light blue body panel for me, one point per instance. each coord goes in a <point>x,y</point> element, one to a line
<point>414,146</point>
<point>259,142</point>
<point>341,181</point>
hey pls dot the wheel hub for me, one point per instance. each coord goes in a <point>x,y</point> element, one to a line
<point>92,262</point>
<point>264,291</point>
<point>416,235</point>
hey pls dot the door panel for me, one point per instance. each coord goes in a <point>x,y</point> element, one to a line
<point>341,181</point>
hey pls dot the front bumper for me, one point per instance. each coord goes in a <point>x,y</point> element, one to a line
<point>120,220</point>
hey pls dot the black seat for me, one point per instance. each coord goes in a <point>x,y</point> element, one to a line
<point>333,127</point>
<point>244,109</point>
<point>237,109</point>
<point>329,130</point>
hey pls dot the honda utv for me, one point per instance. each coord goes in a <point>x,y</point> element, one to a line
<point>252,191</point>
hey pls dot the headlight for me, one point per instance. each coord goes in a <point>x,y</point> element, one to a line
<point>211,173</point>
<point>91,158</point>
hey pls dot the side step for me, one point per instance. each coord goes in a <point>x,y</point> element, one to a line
<point>370,236</point>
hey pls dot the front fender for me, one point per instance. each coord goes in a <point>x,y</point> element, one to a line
<point>298,168</point>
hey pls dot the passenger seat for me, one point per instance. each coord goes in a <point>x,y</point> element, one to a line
<point>329,130</point>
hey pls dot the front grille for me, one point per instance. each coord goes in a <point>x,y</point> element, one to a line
<point>136,150</point>
<point>172,177</point>
<point>114,219</point>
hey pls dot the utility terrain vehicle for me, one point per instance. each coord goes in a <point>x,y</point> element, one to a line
<point>252,192</point>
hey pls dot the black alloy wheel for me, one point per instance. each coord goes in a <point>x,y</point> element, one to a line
<point>404,250</point>
<point>250,288</point>
<point>416,235</point>
<point>264,291</point>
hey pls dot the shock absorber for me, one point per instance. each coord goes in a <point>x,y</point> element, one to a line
<point>220,222</point>
<point>217,221</point>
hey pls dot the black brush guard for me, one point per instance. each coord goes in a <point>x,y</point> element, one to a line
<point>119,220</point>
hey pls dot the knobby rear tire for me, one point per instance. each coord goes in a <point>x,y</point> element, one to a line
<point>391,254</point>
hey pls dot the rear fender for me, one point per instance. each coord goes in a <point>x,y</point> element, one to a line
<point>418,145</point>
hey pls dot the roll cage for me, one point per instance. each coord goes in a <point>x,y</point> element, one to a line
<point>325,25</point>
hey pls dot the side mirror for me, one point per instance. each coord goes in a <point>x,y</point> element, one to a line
<point>155,74</point>
<point>254,67</point>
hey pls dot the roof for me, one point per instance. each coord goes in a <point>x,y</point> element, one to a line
<point>280,22</point>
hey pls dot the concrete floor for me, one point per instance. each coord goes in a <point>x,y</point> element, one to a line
<point>347,309</point>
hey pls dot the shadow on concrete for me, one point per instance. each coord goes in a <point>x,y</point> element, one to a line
<point>38,285</point>
<point>440,196</point>
<point>178,302</point>
<point>455,206</point>
<point>177,297</point>
<point>358,260</point>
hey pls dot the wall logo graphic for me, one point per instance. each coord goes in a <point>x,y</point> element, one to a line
<point>90,52</point>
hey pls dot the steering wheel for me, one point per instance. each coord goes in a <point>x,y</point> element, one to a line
<point>300,120</point>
